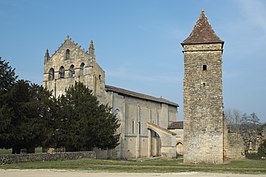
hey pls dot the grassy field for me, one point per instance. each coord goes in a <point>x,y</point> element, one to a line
<point>146,166</point>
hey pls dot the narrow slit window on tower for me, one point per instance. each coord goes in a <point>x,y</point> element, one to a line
<point>204,67</point>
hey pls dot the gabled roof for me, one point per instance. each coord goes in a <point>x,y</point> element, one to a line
<point>202,32</point>
<point>138,95</point>
<point>69,40</point>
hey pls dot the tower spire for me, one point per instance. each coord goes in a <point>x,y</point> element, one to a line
<point>46,56</point>
<point>202,32</point>
<point>91,48</point>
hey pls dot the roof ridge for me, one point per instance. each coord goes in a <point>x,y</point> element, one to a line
<point>139,95</point>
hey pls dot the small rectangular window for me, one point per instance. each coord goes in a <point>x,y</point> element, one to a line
<point>204,68</point>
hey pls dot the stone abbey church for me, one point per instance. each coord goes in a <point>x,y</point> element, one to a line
<point>149,125</point>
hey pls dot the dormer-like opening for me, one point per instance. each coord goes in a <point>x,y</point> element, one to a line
<point>51,74</point>
<point>61,72</point>
<point>72,71</point>
<point>67,55</point>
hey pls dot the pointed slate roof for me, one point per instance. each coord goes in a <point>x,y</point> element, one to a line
<point>202,32</point>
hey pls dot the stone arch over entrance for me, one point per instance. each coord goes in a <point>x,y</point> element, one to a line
<point>167,141</point>
<point>179,148</point>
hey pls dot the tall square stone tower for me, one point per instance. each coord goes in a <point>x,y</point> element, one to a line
<point>202,95</point>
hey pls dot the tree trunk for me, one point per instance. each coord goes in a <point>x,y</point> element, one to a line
<point>16,150</point>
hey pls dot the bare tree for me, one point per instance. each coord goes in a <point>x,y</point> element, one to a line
<point>250,130</point>
<point>233,120</point>
<point>248,126</point>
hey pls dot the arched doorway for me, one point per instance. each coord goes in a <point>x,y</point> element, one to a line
<point>155,144</point>
<point>167,141</point>
<point>179,148</point>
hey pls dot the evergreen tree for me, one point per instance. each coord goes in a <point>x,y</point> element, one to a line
<point>84,123</point>
<point>7,80</point>
<point>25,122</point>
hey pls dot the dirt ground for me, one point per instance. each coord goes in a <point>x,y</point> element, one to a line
<point>64,173</point>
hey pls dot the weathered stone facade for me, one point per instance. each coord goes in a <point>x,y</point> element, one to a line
<point>71,63</point>
<point>177,128</point>
<point>202,95</point>
<point>135,111</point>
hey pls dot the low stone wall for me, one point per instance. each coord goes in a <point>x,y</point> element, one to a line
<point>16,158</point>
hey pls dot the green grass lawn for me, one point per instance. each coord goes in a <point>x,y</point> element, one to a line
<point>146,166</point>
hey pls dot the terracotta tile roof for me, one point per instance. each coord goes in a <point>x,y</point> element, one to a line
<point>139,95</point>
<point>202,32</point>
<point>176,125</point>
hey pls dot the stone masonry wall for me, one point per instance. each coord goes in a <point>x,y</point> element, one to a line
<point>17,158</point>
<point>234,147</point>
<point>133,116</point>
<point>91,75</point>
<point>203,103</point>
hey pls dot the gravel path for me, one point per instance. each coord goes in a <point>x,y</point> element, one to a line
<point>65,173</point>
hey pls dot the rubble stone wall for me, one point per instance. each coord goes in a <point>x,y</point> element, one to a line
<point>17,158</point>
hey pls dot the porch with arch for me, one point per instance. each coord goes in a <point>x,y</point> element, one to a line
<point>167,141</point>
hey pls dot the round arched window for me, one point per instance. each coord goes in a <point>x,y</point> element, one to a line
<point>51,74</point>
<point>72,71</point>
<point>82,69</point>
<point>62,72</point>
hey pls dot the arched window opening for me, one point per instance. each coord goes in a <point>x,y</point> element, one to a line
<point>67,54</point>
<point>62,72</point>
<point>72,71</point>
<point>100,77</point>
<point>82,69</point>
<point>51,74</point>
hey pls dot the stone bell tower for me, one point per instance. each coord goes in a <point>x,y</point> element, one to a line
<point>202,95</point>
